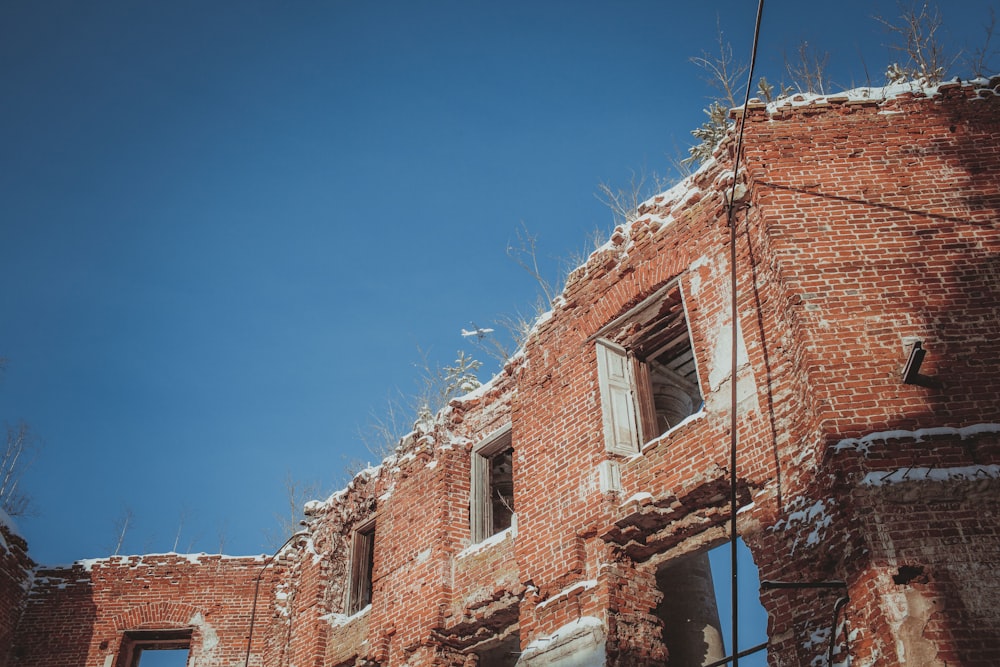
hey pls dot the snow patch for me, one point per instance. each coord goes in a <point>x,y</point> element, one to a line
<point>578,586</point>
<point>336,620</point>
<point>638,498</point>
<point>864,443</point>
<point>586,654</point>
<point>8,522</point>
<point>815,516</point>
<point>488,542</point>
<point>918,474</point>
<point>690,418</point>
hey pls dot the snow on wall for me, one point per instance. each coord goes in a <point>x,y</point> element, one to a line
<point>918,474</point>
<point>864,443</point>
<point>580,643</point>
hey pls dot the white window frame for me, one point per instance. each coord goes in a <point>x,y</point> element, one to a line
<point>622,430</point>
<point>480,491</point>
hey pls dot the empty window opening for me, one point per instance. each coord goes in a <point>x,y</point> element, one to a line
<point>362,567</point>
<point>696,608</point>
<point>501,654</point>
<point>491,506</point>
<point>647,372</point>
<point>692,630</point>
<point>155,648</point>
<point>176,657</point>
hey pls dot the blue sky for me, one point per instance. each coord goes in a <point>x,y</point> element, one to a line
<point>228,230</point>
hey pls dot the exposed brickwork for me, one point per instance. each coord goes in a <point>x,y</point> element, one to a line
<point>16,574</point>
<point>79,615</point>
<point>863,226</point>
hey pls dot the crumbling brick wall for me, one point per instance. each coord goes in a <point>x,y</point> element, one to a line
<point>863,224</point>
<point>16,573</point>
<point>80,615</point>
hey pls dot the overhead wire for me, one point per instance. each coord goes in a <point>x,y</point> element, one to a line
<point>733,492</point>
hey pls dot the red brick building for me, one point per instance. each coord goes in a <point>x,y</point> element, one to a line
<point>560,515</point>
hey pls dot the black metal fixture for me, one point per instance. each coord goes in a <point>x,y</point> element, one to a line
<point>911,372</point>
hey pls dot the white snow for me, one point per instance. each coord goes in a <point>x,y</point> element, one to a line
<point>87,564</point>
<point>8,523</point>
<point>863,444</point>
<point>344,619</point>
<point>919,474</point>
<point>690,418</point>
<point>578,586</point>
<point>571,628</point>
<point>488,542</point>
<point>638,498</point>
<point>815,516</point>
<point>876,93</point>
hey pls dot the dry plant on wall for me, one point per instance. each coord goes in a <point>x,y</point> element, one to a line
<point>917,35</point>
<point>980,60</point>
<point>297,494</point>
<point>624,202</point>
<point>806,69</point>
<point>124,522</point>
<point>523,251</point>
<point>15,460</point>
<point>17,457</point>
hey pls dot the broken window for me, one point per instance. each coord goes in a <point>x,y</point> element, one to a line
<point>491,507</point>
<point>362,567</point>
<point>155,648</point>
<point>647,372</point>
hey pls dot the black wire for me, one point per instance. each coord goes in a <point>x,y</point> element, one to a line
<point>733,500</point>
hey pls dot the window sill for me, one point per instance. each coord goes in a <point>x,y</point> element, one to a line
<point>490,541</point>
<point>670,431</point>
<point>337,620</point>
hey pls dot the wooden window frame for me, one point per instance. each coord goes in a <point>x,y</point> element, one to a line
<point>626,385</point>
<point>480,488</point>
<point>359,591</point>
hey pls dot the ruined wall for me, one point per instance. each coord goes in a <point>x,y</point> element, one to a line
<point>80,615</point>
<point>16,574</point>
<point>434,594</point>
<point>864,222</point>
<point>881,218</point>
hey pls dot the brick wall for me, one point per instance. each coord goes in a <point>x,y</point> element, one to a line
<point>80,615</point>
<point>16,573</point>
<point>863,225</point>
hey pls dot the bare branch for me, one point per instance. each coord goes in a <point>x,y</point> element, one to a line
<point>297,494</point>
<point>807,69</point>
<point>980,61</point>
<point>624,202</point>
<point>122,524</point>
<point>524,252</point>
<point>916,34</point>
<point>725,76</point>
<point>723,73</point>
<point>16,458</point>
<point>223,534</point>
<point>181,519</point>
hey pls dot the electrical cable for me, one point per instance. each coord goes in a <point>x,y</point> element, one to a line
<point>733,500</point>
<point>256,590</point>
